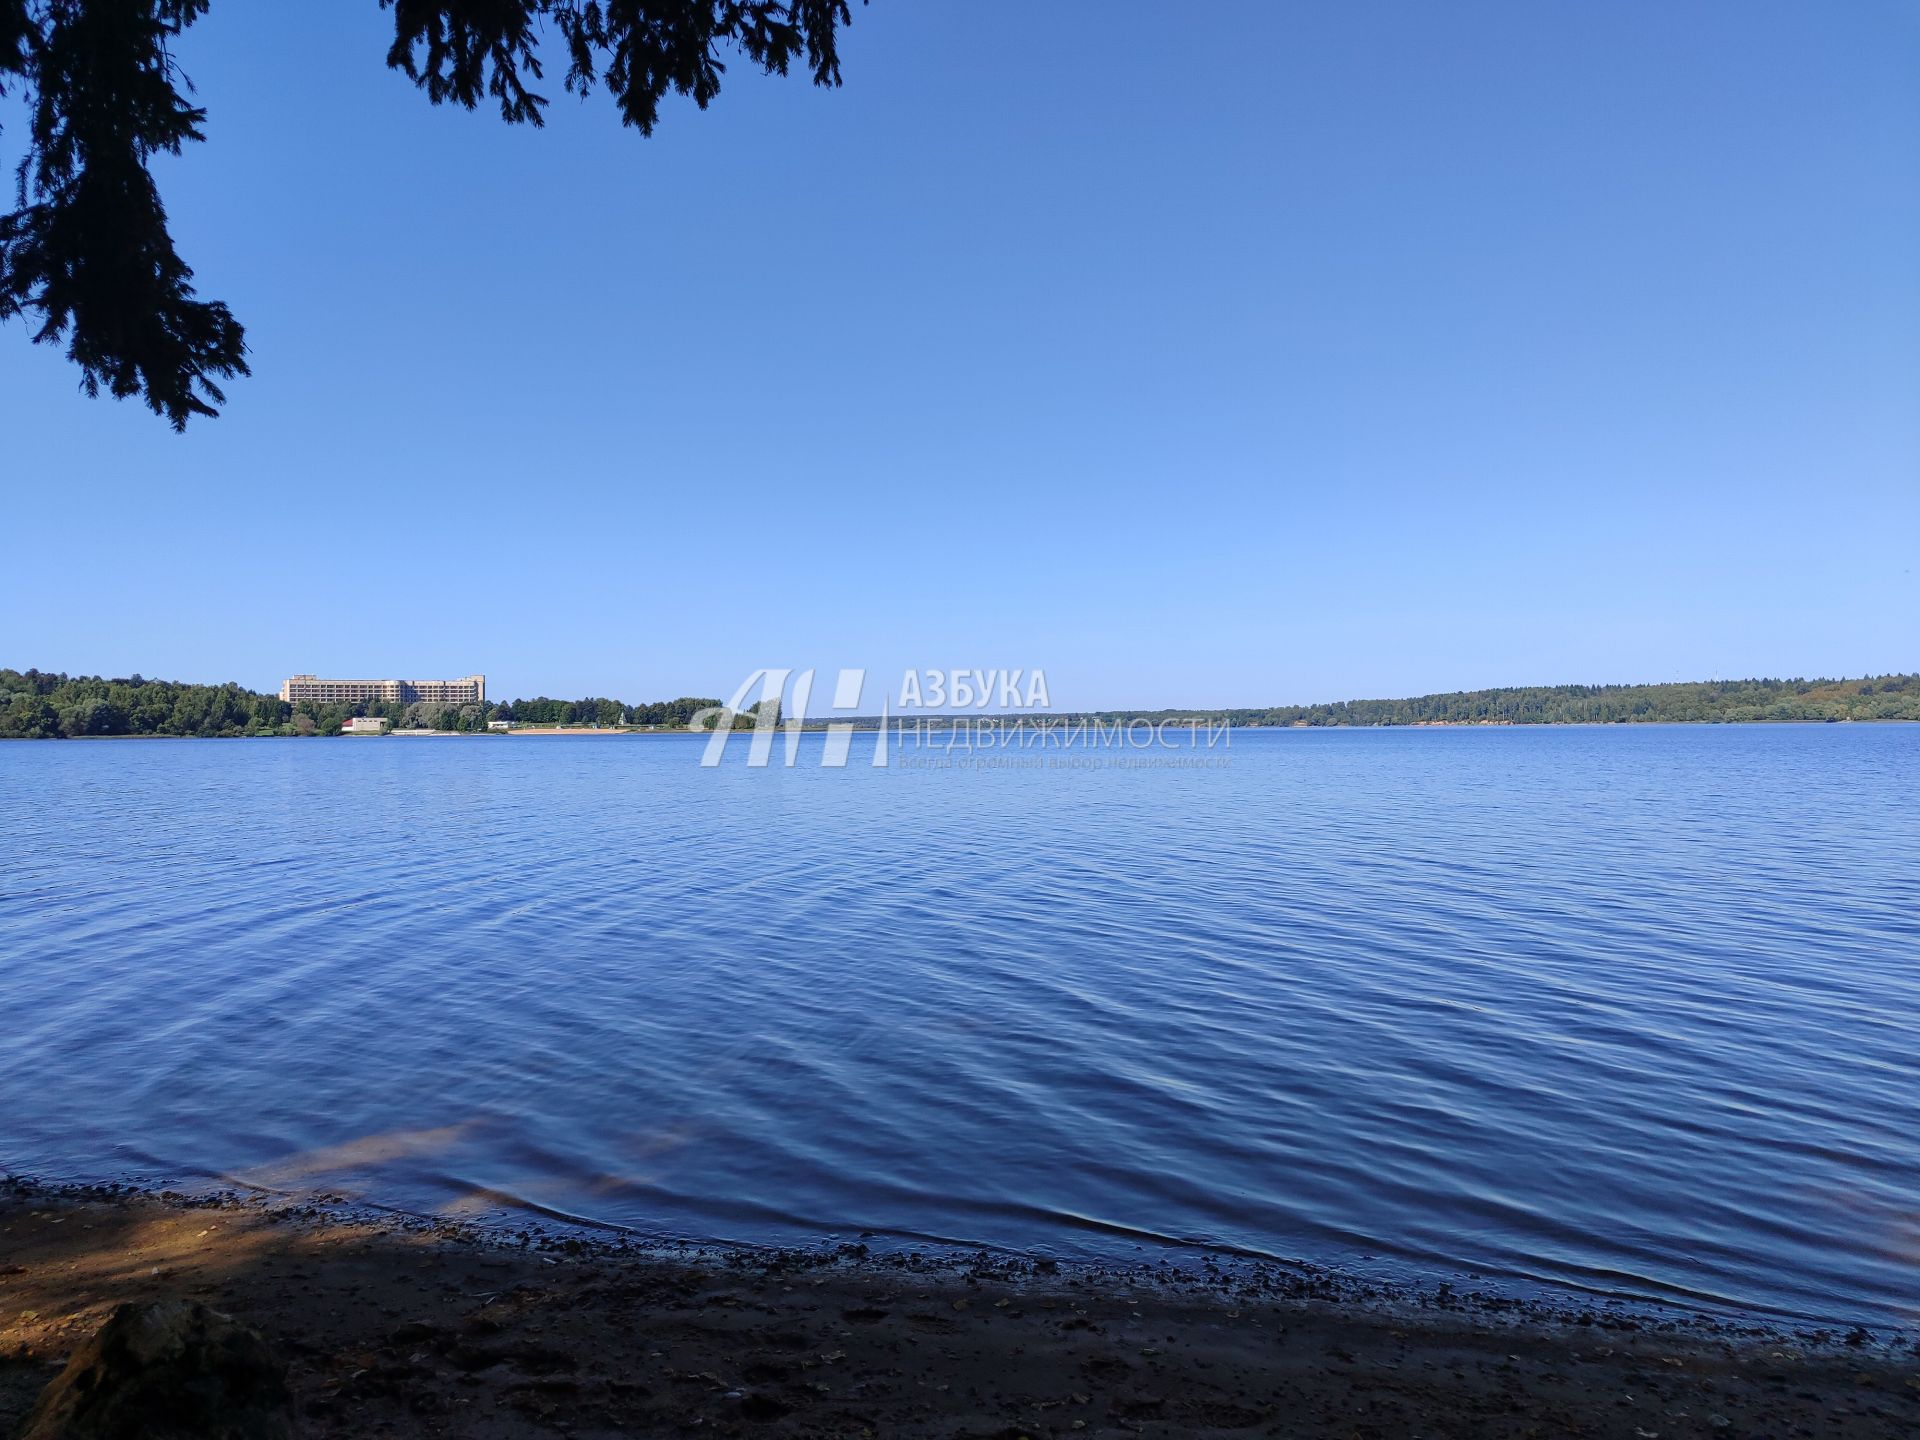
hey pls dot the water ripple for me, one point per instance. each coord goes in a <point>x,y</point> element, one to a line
<point>1634,1011</point>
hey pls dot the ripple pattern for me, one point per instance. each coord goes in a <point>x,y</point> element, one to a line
<point>1631,1010</point>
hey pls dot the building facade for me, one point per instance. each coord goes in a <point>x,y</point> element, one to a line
<point>468,690</point>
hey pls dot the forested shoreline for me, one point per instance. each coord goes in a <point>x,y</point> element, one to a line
<point>38,704</point>
<point>1869,697</point>
<point>47,705</point>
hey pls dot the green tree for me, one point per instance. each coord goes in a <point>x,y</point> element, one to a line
<point>29,717</point>
<point>269,712</point>
<point>93,717</point>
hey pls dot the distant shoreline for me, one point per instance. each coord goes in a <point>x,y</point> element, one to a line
<point>45,705</point>
<point>938,722</point>
<point>550,732</point>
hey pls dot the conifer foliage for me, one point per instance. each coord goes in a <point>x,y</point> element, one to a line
<point>86,258</point>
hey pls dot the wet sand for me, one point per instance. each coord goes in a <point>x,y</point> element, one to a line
<point>396,1327</point>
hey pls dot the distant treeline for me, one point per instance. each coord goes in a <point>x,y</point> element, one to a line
<point>38,704</point>
<point>1874,697</point>
<point>44,705</point>
<point>674,714</point>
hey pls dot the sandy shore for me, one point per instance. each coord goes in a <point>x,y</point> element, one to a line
<point>406,1328</point>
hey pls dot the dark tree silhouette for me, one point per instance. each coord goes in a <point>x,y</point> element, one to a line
<point>85,256</point>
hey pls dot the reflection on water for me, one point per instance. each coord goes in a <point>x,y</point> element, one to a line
<point>1630,1009</point>
<point>353,1157</point>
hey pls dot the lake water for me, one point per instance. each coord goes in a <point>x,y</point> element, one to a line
<point>1630,1010</point>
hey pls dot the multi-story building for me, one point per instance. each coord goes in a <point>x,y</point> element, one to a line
<point>468,690</point>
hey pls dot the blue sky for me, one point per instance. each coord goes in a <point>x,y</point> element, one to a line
<point>1263,352</point>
